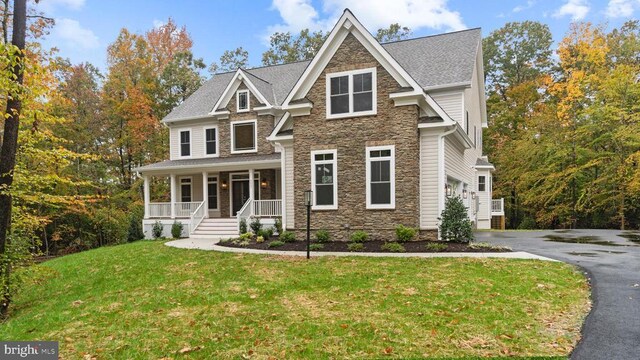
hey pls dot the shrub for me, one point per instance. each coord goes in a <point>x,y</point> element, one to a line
<point>246,236</point>
<point>176,229</point>
<point>287,236</point>
<point>455,224</point>
<point>270,231</point>
<point>278,225</point>
<point>255,225</point>
<point>111,226</point>
<point>436,247</point>
<point>275,243</point>
<point>393,247</point>
<point>135,226</point>
<point>405,233</point>
<point>355,247</point>
<point>157,230</point>
<point>489,247</point>
<point>316,247</point>
<point>322,236</point>
<point>527,223</point>
<point>243,226</point>
<point>359,236</point>
<point>264,233</point>
<point>260,239</point>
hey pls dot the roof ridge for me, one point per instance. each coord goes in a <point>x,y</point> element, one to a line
<point>430,36</point>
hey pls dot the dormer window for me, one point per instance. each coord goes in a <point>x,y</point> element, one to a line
<point>242,100</point>
<point>351,93</point>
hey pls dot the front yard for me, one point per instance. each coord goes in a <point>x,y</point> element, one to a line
<point>146,300</point>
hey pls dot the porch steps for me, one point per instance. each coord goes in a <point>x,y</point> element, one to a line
<point>217,228</point>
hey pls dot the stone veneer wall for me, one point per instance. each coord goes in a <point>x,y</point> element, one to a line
<point>350,136</point>
<point>268,193</point>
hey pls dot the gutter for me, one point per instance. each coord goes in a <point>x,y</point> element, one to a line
<point>441,181</point>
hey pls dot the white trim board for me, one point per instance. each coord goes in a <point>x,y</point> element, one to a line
<point>334,162</point>
<point>232,125</point>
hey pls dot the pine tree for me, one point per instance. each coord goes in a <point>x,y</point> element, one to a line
<point>455,224</point>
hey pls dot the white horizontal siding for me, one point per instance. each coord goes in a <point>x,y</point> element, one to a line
<point>451,103</point>
<point>197,140</point>
<point>428,180</point>
<point>454,162</point>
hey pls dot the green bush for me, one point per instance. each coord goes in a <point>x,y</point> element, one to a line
<point>260,239</point>
<point>243,226</point>
<point>322,236</point>
<point>246,236</point>
<point>111,226</point>
<point>255,225</point>
<point>135,225</point>
<point>436,247</point>
<point>265,233</point>
<point>455,225</point>
<point>405,233</point>
<point>355,247</point>
<point>528,223</point>
<point>278,225</point>
<point>275,243</point>
<point>316,247</point>
<point>359,236</point>
<point>270,231</point>
<point>157,229</point>
<point>176,229</point>
<point>393,247</point>
<point>287,236</point>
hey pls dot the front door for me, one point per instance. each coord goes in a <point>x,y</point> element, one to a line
<point>240,194</point>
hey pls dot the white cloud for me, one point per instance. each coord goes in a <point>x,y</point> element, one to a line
<point>577,9</point>
<point>49,6</point>
<point>526,6</point>
<point>73,34</point>
<point>622,8</point>
<point>374,14</point>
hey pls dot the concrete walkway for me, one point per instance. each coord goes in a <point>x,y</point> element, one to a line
<point>209,244</point>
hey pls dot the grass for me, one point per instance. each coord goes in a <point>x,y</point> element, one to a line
<point>146,300</point>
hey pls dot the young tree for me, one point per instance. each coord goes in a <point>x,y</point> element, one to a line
<point>286,48</point>
<point>231,60</point>
<point>394,32</point>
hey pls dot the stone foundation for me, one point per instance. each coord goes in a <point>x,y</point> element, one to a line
<point>377,235</point>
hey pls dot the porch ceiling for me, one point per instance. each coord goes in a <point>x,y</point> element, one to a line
<point>232,163</point>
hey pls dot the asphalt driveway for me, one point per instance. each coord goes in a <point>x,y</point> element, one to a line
<point>612,329</point>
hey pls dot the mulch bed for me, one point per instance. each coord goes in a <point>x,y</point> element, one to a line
<point>369,246</point>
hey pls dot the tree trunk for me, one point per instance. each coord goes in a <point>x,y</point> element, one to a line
<point>10,145</point>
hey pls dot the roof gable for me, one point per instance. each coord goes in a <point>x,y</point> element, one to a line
<point>241,77</point>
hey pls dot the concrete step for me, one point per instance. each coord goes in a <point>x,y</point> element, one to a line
<point>217,231</point>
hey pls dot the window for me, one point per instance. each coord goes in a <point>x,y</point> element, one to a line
<point>351,93</point>
<point>243,137</point>
<point>482,183</point>
<point>185,143</point>
<point>381,177</point>
<point>185,190</point>
<point>323,179</point>
<point>242,100</point>
<point>212,193</point>
<point>211,141</point>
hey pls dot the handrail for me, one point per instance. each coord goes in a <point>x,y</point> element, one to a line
<point>267,208</point>
<point>241,213</point>
<point>195,219</point>
<point>497,206</point>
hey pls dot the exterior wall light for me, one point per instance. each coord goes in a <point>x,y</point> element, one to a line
<point>263,183</point>
<point>473,195</point>
<point>464,193</point>
<point>447,190</point>
<point>224,185</point>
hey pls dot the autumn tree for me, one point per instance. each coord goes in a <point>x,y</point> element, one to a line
<point>231,60</point>
<point>394,32</point>
<point>286,48</point>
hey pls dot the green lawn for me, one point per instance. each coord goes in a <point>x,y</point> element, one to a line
<point>146,300</point>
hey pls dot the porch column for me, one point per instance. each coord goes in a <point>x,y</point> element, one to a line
<point>147,196</point>
<point>205,193</point>
<point>173,196</point>
<point>252,189</point>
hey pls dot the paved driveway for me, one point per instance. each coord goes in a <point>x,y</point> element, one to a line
<point>612,329</point>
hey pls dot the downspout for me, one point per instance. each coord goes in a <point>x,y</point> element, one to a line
<point>441,171</point>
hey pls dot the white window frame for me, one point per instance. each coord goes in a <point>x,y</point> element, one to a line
<point>484,183</point>
<point>180,131</point>
<point>233,136</point>
<point>190,178</point>
<point>351,113</point>
<point>245,91</point>
<point>209,181</point>
<point>392,175</point>
<point>204,139</point>
<point>334,162</point>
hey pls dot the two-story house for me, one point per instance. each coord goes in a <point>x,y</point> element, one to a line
<point>380,133</point>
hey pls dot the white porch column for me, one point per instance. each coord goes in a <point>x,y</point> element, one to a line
<point>252,189</point>
<point>147,196</point>
<point>205,193</point>
<point>173,196</point>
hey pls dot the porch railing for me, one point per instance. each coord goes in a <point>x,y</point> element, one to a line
<point>159,210</point>
<point>196,217</point>
<point>185,209</point>
<point>267,208</point>
<point>497,206</point>
<point>244,213</point>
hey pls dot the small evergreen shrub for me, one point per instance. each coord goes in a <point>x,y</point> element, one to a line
<point>316,247</point>
<point>359,236</point>
<point>355,247</point>
<point>176,229</point>
<point>260,239</point>
<point>278,225</point>
<point>275,243</point>
<point>243,226</point>
<point>255,225</point>
<point>264,233</point>
<point>287,236</point>
<point>135,232</point>
<point>528,223</point>
<point>270,231</point>
<point>405,233</point>
<point>393,247</point>
<point>455,225</point>
<point>322,236</point>
<point>436,247</point>
<point>157,229</point>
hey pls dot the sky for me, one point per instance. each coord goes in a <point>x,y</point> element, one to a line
<point>84,28</point>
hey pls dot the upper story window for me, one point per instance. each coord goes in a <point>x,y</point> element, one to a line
<point>482,183</point>
<point>242,100</point>
<point>244,136</point>
<point>211,141</point>
<point>351,93</point>
<point>323,179</point>
<point>381,177</point>
<point>185,143</point>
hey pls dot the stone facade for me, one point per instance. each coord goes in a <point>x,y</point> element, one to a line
<point>267,193</point>
<point>350,136</point>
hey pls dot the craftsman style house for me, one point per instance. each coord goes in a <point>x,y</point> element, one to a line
<point>381,133</point>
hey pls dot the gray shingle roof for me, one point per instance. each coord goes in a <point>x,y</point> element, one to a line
<point>173,164</point>
<point>483,162</point>
<point>432,61</point>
